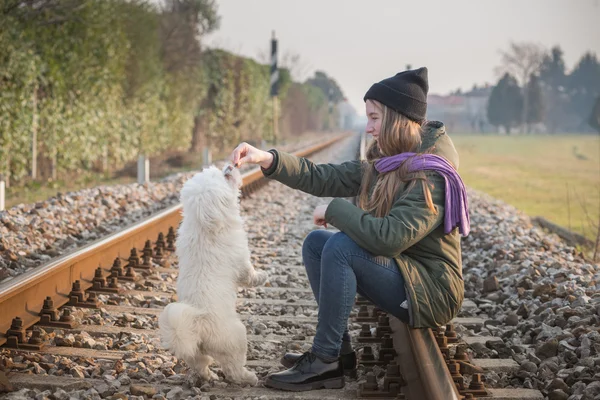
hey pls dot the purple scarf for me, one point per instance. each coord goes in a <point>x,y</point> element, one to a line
<point>457,204</point>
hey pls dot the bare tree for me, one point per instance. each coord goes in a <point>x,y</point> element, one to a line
<point>521,60</point>
<point>298,68</point>
<point>183,24</point>
<point>290,60</point>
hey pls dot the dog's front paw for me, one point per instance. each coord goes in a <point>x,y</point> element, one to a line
<point>260,277</point>
<point>208,375</point>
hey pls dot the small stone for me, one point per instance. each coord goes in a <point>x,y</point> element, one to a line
<point>175,393</point>
<point>548,349</point>
<point>205,387</point>
<point>542,289</point>
<point>523,310</point>
<point>491,284</point>
<point>512,320</point>
<point>60,394</point>
<point>60,341</point>
<point>592,390</point>
<point>140,390</point>
<point>44,395</point>
<point>557,395</point>
<point>558,384</point>
<point>529,367</point>
<point>76,373</point>
<point>37,369</point>
<point>104,390</point>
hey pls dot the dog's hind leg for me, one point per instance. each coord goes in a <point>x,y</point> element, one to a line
<point>201,364</point>
<point>235,371</point>
<point>232,355</point>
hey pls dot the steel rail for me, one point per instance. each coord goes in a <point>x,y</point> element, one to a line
<point>422,364</point>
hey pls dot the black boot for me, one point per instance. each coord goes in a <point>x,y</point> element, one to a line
<point>348,361</point>
<point>308,373</point>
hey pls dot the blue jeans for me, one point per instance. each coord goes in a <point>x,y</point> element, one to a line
<point>337,269</point>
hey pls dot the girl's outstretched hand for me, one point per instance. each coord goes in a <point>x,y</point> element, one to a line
<point>246,154</point>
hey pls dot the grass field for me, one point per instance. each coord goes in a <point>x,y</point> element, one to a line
<point>557,177</point>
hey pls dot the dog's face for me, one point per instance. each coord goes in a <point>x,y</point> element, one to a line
<point>233,176</point>
<point>210,196</point>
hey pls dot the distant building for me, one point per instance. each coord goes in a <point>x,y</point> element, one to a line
<point>461,112</point>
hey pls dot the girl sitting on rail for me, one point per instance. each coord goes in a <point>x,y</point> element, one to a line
<point>400,248</point>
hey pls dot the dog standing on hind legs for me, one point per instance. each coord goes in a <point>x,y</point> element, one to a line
<point>214,259</point>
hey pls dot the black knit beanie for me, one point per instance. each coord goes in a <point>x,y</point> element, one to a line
<point>406,93</point>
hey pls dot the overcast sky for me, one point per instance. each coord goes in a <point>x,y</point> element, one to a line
<point>359,42</point>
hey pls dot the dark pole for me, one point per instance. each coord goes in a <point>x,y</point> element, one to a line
<point>274,86</point>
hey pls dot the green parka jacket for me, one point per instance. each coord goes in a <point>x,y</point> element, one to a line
<point>429,260</point>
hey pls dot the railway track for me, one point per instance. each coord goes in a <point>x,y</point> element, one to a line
<point>84,325</point>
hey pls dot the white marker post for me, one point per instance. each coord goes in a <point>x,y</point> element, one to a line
<point>206,156</point>
<point>143,170</point>
<point>2,190</point>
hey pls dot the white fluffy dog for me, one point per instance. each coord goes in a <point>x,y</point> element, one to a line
<point>214,259</point>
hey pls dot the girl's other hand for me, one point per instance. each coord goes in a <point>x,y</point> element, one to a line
<point>319,216</point>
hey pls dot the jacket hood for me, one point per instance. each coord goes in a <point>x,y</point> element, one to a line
<point>435,141</point>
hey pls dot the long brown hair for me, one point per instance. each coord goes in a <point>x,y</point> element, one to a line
<point>397,134</point>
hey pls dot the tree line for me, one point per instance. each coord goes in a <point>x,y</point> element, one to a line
<point>92,84</point>
<point>536,89</point>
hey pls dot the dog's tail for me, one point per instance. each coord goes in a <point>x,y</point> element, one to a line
<point>179,325</point>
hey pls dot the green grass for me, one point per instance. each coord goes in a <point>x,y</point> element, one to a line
<point>557,177</point>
